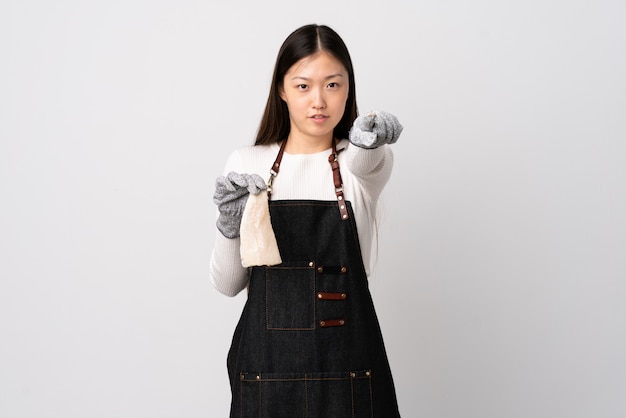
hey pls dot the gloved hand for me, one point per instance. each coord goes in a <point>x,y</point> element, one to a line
<point>375,129</point>
<point>231,194</point>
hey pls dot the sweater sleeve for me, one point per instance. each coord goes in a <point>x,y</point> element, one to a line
<point>226,272</point>
<point>372,167</point>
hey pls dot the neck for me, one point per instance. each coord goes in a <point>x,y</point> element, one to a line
<point>305,145</point>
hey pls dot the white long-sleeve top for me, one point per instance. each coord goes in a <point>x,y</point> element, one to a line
<point>306,176</point>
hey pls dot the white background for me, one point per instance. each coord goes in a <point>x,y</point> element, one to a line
<point>500,282</point>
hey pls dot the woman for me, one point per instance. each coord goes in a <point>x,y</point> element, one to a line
<point>308,342</point>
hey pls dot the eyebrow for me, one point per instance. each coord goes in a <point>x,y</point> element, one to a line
<point>326,78</point>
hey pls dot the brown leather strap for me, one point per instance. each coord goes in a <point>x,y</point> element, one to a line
<point>275,168</point>
<point>331,296</point>
<point>332,323</point>
<point>333,159</point>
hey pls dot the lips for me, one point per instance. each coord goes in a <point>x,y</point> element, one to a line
<point>319,117</point>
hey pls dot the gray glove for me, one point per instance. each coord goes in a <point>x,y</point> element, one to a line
<point>231,194</point>
<point>375,129</point>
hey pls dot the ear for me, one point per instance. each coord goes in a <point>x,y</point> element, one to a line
<point>281,93</point>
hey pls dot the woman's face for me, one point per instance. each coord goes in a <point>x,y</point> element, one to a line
<point>315,90</point>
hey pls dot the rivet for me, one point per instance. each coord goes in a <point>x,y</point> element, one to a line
<point>258,377</point>
<point>343,269</point>
<point>320,269</point>
<point>311,264</point>
<point>339,197</point>
<point>343,296</point>
<point>345,216</point>
<point>341,322</point>
<point>368,373</point>
<point>320,296</point>
<point>322,324</point>
<point>352,374</point>
<point>241,376</point>
<point>343,207</point>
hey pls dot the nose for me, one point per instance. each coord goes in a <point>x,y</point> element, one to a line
<point>318,99</point>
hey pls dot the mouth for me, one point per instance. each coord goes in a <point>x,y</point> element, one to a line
<point>319,117</point>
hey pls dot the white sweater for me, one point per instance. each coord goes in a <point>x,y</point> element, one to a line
<point>306,176</point>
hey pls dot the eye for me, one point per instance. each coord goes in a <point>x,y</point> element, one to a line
<point>333,85</point>
<point>301,86</point>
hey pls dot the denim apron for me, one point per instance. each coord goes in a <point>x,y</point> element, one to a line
<point>308,343</point>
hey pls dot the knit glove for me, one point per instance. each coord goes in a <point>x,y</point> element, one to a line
<point>231,194</point>
<point>375,129</point>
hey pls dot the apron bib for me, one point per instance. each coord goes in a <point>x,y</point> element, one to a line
<point>308,343</point>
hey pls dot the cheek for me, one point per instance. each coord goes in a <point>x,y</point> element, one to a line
<point>344,97</point>
<point>342,102</point>
<point>298,103</point>
<point>294,107</point>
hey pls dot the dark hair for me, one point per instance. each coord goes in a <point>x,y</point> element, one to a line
<point>303,42</point>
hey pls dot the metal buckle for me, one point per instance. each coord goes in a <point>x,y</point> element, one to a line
<point>270,181</point>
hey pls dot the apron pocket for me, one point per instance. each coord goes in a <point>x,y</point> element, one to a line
<point>290,297</point>
<point>306,395</point>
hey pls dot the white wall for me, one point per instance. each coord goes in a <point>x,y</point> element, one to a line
<point>500,281</point>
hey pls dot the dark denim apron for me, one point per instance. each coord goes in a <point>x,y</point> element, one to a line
<point>308,343</point>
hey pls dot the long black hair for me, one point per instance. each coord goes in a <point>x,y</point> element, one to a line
<point>303,42</point>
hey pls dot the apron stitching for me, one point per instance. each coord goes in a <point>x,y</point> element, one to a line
<point>352,394</point>
<point>260,400</point>
<point>371,397</point>
<point>306,396</point>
